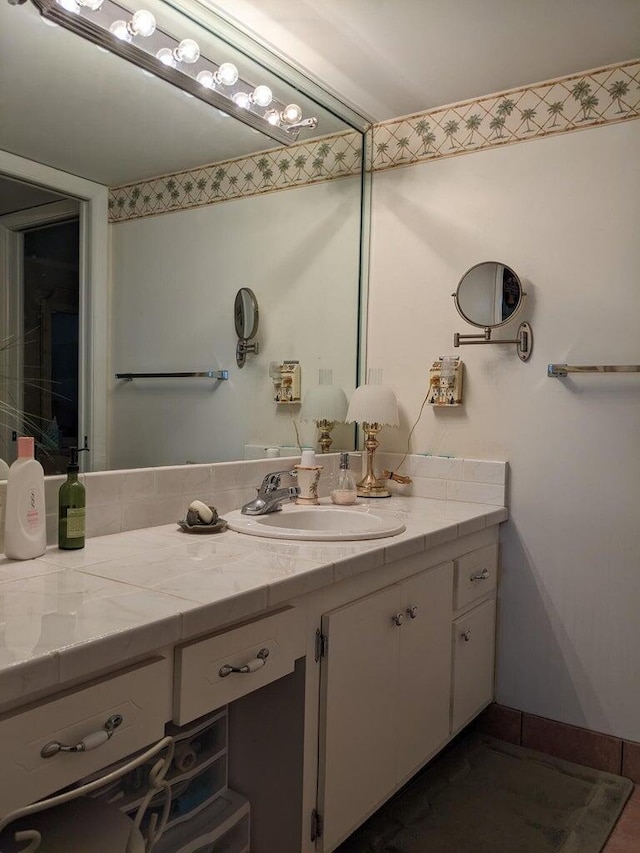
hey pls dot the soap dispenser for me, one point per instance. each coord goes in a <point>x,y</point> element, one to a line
<point>345,492</point>
<point>71,506</point>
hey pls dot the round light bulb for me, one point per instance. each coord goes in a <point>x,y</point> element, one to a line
<point>206,79</point>
<point>227,74</point>
<point>242,99</point>
<point>165,55</point>
<point>262,96</point>
<point>69,5</point>
<point>93,5</point>
<point>291,114</point>
<point>142,24</point>
<point>187,51</point>
<point>120,30</point>
<point>273,117</point>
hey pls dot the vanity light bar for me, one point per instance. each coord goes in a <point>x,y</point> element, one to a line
<point>180,63</point>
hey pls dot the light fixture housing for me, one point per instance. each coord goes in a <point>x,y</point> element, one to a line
<point>373,406</point>
<point>142,47</point>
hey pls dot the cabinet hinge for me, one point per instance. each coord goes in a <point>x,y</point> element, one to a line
<point>321,645</point>
<point>316,825</point>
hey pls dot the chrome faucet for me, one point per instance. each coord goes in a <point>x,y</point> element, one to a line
<point>270,496</point>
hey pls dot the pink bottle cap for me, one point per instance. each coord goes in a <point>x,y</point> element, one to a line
<point>25,447</point>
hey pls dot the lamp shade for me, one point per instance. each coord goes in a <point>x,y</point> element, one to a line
<point>373,404</point>
<point>324,403</point>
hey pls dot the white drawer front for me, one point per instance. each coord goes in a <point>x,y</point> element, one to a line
<point>199,685</point>
<point>476,574</point>
<point>141,694</point>
<point>473,663</point>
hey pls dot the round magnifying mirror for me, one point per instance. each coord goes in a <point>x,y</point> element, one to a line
<point>489,295</point>
<point>245,314</point>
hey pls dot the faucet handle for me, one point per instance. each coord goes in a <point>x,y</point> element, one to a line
<point>272,481</point>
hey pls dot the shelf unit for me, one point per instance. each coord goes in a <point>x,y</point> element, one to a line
<point>205,815</point>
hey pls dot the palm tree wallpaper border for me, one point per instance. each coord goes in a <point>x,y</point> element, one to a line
<point>592,98</point>
<point>324,159</point>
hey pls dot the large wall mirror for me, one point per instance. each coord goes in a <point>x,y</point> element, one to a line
<point>80,126</point>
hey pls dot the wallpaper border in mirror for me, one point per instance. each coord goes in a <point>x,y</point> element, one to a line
<point>591,98</point>
<point>327,158</point>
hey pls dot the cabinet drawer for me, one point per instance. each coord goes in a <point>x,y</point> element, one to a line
<point>476,574</point>
<point>200,683</point>
<point>141,694</point>
<point>473,663</point>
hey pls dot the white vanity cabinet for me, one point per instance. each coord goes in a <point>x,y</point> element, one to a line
<point>473,634</point>
<point>386,685</point>
<point>320,734</point>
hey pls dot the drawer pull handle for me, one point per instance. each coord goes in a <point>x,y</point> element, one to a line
<point>412,612</point>
<point>481,576</point>
<point>257,663</point>
<point>91,741</point>
<point>398,619</point>
<point>466,635</point>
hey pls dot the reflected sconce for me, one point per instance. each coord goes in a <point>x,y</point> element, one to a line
<point>136,38</point>
<point>374,406</point>
<point>326,405</point>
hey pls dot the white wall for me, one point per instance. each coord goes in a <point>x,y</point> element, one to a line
<point>174,281</point>
<point>564,213</point>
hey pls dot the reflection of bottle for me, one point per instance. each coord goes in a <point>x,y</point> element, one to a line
<point>71,507</point>
<point>345,492</point>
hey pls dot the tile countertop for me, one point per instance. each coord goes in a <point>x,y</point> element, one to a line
<point>69,614</point>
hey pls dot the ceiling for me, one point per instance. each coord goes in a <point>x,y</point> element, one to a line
<point>394,57</point>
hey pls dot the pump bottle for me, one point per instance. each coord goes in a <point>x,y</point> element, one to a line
<point>71,506</point>
<point>345,492</point>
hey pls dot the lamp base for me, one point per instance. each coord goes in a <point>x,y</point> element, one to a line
<point>374,492</point>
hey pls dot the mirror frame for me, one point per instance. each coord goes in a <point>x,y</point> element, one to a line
<point>238,312</point>
<point>94,224</point>
<point>516,310</point>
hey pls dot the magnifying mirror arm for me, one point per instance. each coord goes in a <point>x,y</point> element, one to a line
<point>484,338</point>
<point>524,341</point>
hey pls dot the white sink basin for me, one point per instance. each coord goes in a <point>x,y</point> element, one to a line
<point>327,523</point>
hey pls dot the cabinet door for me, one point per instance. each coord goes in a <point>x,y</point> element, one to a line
<point>424,688</point>
<point>473,662</point>
<point>358,732</point>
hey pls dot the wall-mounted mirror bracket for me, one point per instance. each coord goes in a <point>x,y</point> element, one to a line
<point>524,341</point>
<point>243,348</point>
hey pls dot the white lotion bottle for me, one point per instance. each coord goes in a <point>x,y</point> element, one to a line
<point>25,532</point>
<point>4,473</point>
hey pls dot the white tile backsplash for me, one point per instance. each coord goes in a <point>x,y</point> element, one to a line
<point>118,501</point>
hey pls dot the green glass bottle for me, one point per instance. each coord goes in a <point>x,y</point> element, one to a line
<point>72,507</point>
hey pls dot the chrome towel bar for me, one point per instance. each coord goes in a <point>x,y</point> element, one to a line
<point>558,370</point>
<point>203,374</point>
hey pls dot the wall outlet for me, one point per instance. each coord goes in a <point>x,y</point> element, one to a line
<point>445,382</point>
<point>286,381</point>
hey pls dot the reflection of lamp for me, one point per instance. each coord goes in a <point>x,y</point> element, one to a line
<point>373,406</point>
<point>179,61</point>
<point>326,404</point>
